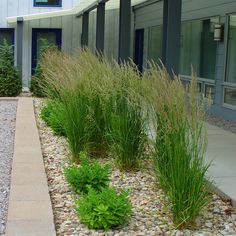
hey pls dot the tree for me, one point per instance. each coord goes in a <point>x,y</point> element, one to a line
<point>10,82</point>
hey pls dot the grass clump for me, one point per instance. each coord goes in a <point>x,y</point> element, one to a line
<point>126,122</point>
<point>103,111</point>
<point>89,175</point>
<point>180,146</point>
<point>78,82</point>
<point>105,209</point>
<point>52,114</point>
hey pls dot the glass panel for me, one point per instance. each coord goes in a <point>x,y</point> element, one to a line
<point>44,39</point>
<point>209,91</point>
<point>155,44</point>
<point>231,55</point>
<point>230,96</point>
<point>198,48</point>
<point>6,34</point>
<point>47,2</point>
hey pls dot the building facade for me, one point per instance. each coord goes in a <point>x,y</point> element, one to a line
<point>213,59</point>
<point>214,62</point>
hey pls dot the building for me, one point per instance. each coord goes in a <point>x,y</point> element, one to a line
<point>200,34</point>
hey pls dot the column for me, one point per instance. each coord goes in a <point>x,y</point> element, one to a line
<point>19,44</point>
<point>100,30</point>
<point>125,30</point>
<point>171,35</point>
<point>85,29</point>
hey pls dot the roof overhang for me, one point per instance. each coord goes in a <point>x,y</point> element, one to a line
<point>78,10</point>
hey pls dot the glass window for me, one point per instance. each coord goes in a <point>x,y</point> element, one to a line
<point>51,3</point>
<point>198,48</point>
<point>230,96</point>
<point>8,35</point>
<point>209,91</point>
<point>231,55</point>
<point>154,44</point>
<point>45,38</point>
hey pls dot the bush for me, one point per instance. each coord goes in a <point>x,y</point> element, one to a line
<point>52,113</point>
<point>89,175</point>
<point>104,210</point>
<point>10,83</point>
<point>180,146</point>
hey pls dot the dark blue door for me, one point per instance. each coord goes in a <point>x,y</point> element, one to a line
<point>52,36</point>
<point>138,56</point>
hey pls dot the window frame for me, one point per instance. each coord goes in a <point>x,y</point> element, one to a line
<point>200,79</point>
<point>226,84</point>
<point>47,5</point>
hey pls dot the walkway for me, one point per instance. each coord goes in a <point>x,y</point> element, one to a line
<point>222,151</point>
<point>30,209</point>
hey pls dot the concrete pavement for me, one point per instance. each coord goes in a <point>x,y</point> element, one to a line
<point>222,152</point>
<point>30,210</point>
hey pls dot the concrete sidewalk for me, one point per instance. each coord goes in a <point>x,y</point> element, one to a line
<point>30,210</point>
<point>222,152</point>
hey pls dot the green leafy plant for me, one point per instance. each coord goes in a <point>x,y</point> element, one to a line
<point>10,83</point>
<point>52,113</point>
<point>90,174</point>
<point>104,210</point>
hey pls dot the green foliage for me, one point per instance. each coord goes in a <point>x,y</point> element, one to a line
<point>52,113</point>
<point>90,174</point>
<point>10,83</point>
<point>38,85</point>
<point>104,210</point>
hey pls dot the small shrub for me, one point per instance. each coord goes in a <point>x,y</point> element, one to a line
<point>89,175</point>
<point>104,210</point>
<point>10,83</point>
<point>52,114</point>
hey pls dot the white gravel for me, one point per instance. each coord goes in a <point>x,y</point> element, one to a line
<point>151,214</point>
<point>7,134</point>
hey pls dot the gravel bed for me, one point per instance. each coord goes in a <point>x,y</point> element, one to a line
<point>151,211</point>
<point>222,123</point>
<point>7,134</point>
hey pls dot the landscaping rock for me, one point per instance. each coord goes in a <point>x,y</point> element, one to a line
<point>151,214</point>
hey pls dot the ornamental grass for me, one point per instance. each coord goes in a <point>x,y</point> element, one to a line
<point>108,109</point>
<point>180,145</point>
